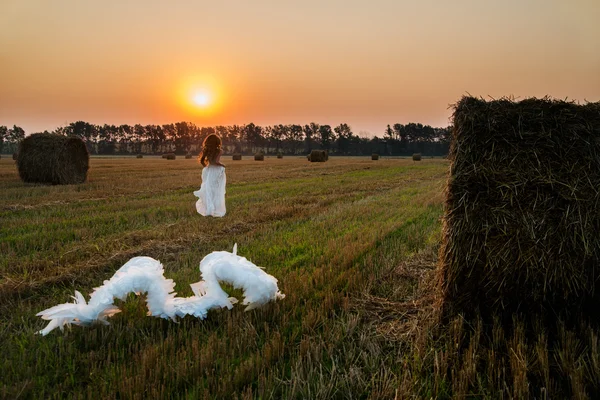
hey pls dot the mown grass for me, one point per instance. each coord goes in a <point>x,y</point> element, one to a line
<point>353,243</point>
<point>320,229</point>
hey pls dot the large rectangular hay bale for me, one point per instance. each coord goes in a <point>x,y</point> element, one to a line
<point>522,218</point>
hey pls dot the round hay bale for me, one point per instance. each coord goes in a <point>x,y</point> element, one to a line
<point>164,155</point>
<point>237,157</point>
<point>522,237</point>
<point>416,157</point>
<point>318,156</point>
<point>139,156</point>
<point>53,159</point>
<point>374,157</point>
<point>259,157</point>
<point>279,155</point>
<point>171,156</point>
<point>188,156</point>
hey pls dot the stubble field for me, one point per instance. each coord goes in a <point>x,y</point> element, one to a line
<point>333,234</point>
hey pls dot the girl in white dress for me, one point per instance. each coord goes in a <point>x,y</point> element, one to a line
<point>211,196</point>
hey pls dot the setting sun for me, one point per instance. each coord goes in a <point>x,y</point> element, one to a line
<point>202,99</point>
<point>199,97</point>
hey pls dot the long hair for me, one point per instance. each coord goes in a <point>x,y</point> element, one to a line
<point>211,147</point>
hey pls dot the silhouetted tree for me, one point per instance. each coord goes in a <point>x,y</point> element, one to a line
<point>86,131</point>
<point>389,133</point>
<point>253,136</point>
<point>310,132</point>
<point>14,137</point>
<point>3,137</point>
<point>107,135</point>
<point>235,132</point>
<point>156,137</point>
<point>276,134</point>
<point>343,137</point>
<point>138,138</point>
<point>295,138</point>
<point>170,135</point>
<point>326,136</point>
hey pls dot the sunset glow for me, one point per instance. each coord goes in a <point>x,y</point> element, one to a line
<point>200,98</point>
<point>273,62</point>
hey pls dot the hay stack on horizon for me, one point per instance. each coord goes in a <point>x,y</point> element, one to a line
<point>522,220</point>
<point>318,156</point>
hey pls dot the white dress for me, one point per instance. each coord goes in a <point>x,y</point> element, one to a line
<point>211,196</point>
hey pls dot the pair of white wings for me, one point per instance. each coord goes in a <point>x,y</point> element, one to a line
<point>146,275</point>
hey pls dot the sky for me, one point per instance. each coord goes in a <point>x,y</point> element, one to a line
<point>366,63</point>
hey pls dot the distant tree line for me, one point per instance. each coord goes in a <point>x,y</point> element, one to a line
<point>186,137</point>
<point>10,138</point>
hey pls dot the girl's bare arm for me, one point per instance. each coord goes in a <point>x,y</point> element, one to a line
<point>218,160</point>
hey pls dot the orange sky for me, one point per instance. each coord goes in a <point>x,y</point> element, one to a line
<point>366,63</point>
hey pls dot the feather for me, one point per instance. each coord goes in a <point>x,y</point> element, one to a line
<point>146,275</point>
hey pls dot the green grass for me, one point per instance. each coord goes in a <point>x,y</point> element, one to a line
<point>353,243</point>
<point>322,230</point>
